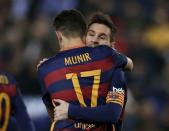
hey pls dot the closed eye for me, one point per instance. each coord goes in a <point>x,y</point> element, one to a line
<point>103,37</point>
<point>91,33</point>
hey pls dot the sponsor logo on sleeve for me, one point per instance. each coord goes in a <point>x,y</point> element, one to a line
<point>116,96</point>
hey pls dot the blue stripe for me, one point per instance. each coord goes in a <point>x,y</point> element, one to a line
<point>64,124</point>
<point>101,100</point>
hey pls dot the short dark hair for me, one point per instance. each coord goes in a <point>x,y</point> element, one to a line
<point>71,23</point>
<point>101,18</point>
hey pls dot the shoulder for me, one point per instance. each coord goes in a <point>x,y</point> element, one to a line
<point>109,51</point>
<point>8,84</point>
<point>45,61</point>
<point>7,78</point>
<point>103,49</point>
<point>41,62</point>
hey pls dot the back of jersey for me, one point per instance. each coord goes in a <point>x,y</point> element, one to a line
<point>7,92</point>
<point>80,76</point>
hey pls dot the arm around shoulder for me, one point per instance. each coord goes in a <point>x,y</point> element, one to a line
<point>129,66</point>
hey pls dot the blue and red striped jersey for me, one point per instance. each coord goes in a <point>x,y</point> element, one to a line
<point>111,113</point>
<point>80,76</point>
<point>13,113</point>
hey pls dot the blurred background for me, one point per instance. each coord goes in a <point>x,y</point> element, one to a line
<point>27,36</point>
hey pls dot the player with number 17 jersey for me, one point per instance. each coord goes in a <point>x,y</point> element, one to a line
<point>80,76</point>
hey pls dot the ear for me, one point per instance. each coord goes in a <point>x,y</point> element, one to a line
<point>59,36</point>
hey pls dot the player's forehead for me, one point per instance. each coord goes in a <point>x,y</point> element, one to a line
<point>99,29</point>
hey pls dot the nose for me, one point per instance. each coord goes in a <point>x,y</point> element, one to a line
<point>94,40</point>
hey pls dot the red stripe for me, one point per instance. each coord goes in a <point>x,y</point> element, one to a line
<point>70,95</point>
<point>9,89</point>
<point>65,95</point>
<point>57,75</point>
<point>103,89</point>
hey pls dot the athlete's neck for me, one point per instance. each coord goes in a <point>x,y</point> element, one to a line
<point>71,43</point>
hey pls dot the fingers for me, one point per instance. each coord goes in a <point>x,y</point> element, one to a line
<point>61,110</point>
<point>58,100</point>
<point>59,117</point>
<point>59,114</point>
<point>53,103</point>
<point>56,103</point>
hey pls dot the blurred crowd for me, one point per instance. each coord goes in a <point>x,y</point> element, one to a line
<point>27,36</point>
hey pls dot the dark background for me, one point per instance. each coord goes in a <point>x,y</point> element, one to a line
<point>27,36</point>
